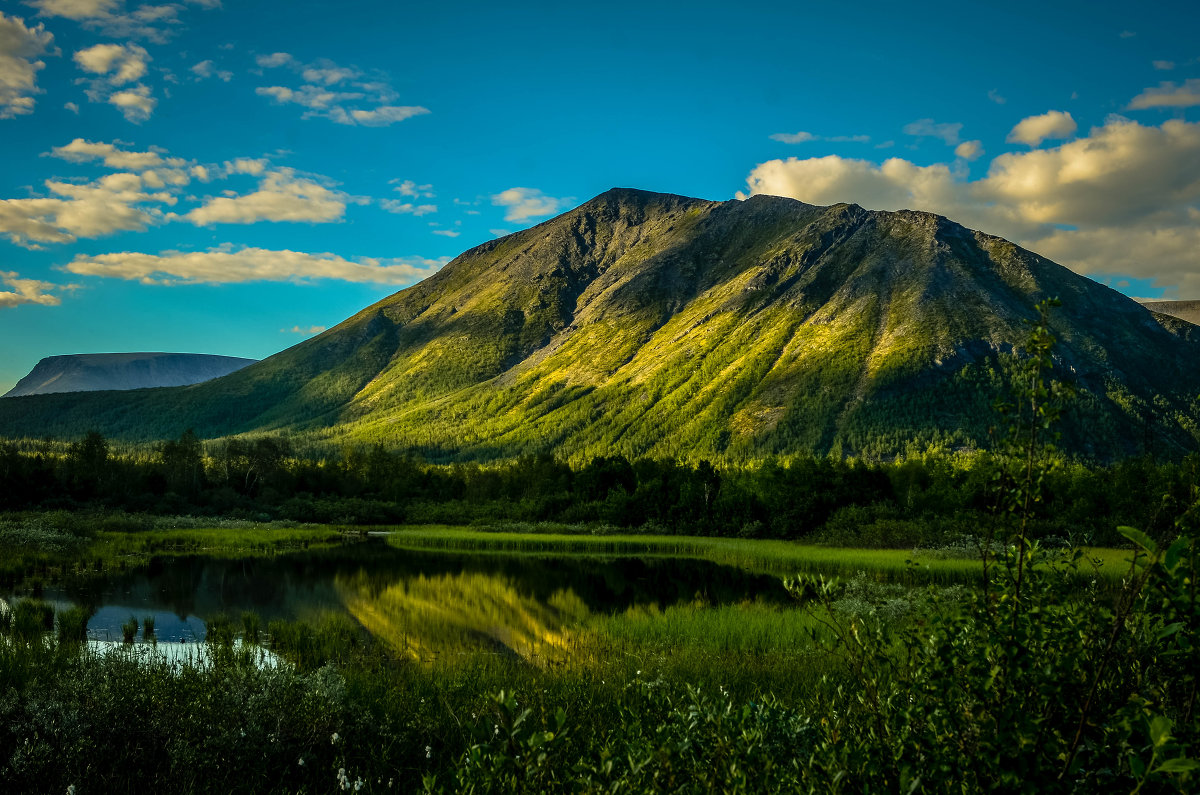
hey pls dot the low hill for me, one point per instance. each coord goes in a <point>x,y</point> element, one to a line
<point>1184,310</point>
<point>88,372</point>
<point>647,324</point>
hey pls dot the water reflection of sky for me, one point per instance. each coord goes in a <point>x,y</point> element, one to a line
<point>168,627</point>
<point>180,653</point>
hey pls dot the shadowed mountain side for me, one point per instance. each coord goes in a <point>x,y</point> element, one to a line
<point>89,372</point>
<point>647,324</point>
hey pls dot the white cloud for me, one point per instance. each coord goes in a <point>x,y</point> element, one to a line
<point>500,232</point>
<point>928,128</point>
<point>1168,95</point>
<point>305,330</point>
<point>409,188</point>
<point>116,66</point>
<point>135,103</point>
<point>318,99</point>
<point>156,23</point>
<point>118,63</point>
<point>20,51</point>
<point>525,203</point>
<point>281,196</point>
<point>227,266</point>
<point>113,203</point>
<point>83,151</point>
<point>1164,66</point>
<point>77,10</point>
<point>29,291</point>
<point>1129,191</point>
<point>804,137</point>
<point>1035,129</point>
<point>446,232</point>
<point>71,106</point>
<point>275,59</point>
<point>969,150</point>
<point>995,96</point>
<point>206,69</point>
<point>328,74</point>
<point>794,138</point>
<point>404,208</point>
<point>356,100</point>
<point>378,117</point>
<point>254,166</point>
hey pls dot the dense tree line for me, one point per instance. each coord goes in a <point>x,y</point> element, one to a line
<point>927,500</point>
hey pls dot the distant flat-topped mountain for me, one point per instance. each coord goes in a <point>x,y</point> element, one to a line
<point>89,372</point>
<point>1184,310</point>
<point>647,324</point>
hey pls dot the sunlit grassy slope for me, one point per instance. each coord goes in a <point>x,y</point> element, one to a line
<point>648,324</point>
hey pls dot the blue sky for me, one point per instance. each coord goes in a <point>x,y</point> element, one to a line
<point>233,177</point>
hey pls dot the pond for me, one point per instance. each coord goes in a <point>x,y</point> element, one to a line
<point>423,604</point>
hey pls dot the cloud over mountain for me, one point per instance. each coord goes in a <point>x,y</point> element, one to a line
<point>1124,198</point>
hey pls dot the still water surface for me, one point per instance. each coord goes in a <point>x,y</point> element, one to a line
<point>421,602</point>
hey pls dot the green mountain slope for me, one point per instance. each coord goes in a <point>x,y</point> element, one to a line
<point>651,324</point>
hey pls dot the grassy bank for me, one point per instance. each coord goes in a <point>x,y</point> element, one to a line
<point>50,546</point>
<point>937,566</point>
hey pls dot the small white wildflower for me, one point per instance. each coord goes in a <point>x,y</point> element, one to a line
<point>334,738</point>
<point>428,752</point>
<point>495,729</point>
<point>300,761</point>
<point>358,785</point>
<point>70,789</point>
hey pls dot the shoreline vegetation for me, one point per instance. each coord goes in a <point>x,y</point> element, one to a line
<point>687,697</point>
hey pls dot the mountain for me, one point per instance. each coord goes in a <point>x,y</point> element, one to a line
<point>1184,310</point>
<point>647,324</point>
<point>87,372</point>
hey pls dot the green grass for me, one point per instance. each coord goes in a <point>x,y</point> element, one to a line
<point>39,550</point>
<point>764,556</point>
<point>241,542</point>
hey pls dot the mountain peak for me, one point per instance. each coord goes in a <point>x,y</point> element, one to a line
<point>651,324</point>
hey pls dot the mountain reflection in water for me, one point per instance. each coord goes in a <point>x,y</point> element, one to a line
<point>422,604</point>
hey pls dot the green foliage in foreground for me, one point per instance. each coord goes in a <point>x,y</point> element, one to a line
<point>961,691</point>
